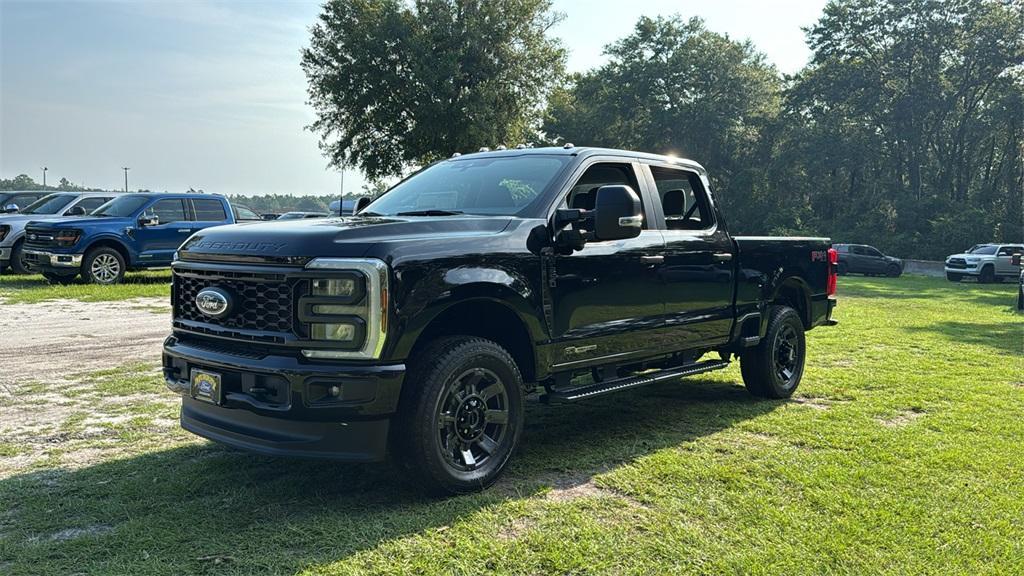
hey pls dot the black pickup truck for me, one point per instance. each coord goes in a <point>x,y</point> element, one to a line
<point>418,326</point>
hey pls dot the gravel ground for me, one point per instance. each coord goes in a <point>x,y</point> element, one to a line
<point>53,340</point>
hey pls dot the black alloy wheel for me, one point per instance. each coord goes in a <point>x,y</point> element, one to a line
<point>460,416</point>
<point>472,419</point>
<point>773,368</point>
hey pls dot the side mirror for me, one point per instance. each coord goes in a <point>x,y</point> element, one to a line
<point>75,211</point>
<point>363,202</point>
<point>153,220</point>
<point>11,208</point>
<point>617,213</point>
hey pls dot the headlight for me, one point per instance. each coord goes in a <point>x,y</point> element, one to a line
<point>67,238</point>
<point>4,231</point>
<point>346,308</point>
<point>973,260</point>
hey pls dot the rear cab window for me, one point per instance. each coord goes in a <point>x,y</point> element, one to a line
<point>681,196</point>
<point>209,210</point>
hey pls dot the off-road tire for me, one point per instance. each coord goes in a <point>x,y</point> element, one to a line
<point>954,276</point>
<point>103,265</point>
<point>425,414</point>
<point>988,274</point>
<point>762,375</point>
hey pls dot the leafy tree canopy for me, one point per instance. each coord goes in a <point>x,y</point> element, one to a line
<point>395,84</point>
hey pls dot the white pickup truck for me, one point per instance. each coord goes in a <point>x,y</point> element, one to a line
<point>986,262</point>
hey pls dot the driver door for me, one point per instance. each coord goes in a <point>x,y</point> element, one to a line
<point>606,303</point>
<point>158,243</point>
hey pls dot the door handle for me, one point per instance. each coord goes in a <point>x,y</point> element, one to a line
<point>722,256</point>
<point>652,259</point>
<point>184,229</point>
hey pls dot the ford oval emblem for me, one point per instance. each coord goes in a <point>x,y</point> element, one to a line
<point>213,302</point>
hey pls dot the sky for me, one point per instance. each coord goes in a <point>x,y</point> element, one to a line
<point>210,95</point>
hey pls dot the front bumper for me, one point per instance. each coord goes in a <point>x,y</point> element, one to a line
<point>283,406</point>
<point>970,270</point>
<point>43,260</point>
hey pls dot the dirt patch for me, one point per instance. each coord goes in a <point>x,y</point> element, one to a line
<point>516,528</point>
<point>72,533</point>
<point>50,340</point>
<point>811,402</point>
<point>902,418</point>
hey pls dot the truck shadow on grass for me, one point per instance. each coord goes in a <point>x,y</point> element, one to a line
<point>1004,338</point>
<point>186,509</point>
<point>999,295</point>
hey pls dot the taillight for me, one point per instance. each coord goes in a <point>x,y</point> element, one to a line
<point>833,271</point>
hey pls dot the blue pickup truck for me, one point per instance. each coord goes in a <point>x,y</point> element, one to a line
<point>131,232</point>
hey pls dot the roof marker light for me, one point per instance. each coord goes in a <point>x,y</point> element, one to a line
<point>569,145</point>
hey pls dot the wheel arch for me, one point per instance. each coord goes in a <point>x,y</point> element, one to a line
<point>795,293</point>
<point>110,243</point>
<point>484,315</point>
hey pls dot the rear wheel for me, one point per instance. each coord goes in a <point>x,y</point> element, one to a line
<point>461,416</point>
<point>988,275</point>
<point>774,368</point>
<point>103,265</point>
<point>18,265</point>
<point>954,277</point>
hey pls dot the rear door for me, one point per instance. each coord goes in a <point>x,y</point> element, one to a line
<point>158,243</point>
<point>605,302</point>
<point>697,279</point>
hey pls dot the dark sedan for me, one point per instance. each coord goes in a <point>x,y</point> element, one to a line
<point>864,259</point>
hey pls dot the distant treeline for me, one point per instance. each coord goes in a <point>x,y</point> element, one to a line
<point>25,182</point>
<point>281,203</point>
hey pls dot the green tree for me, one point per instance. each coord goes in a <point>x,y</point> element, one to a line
<point>396,84</point>
<point>674,87</point>
<point>908,123</point>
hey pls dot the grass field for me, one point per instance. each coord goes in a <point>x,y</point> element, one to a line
<point>900,454</point>
<point>28,289</point>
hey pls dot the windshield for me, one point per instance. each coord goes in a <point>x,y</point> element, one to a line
<point>49,204</point>
<point>983,250</point>
<point>121,207</point>
<point>500,186</point>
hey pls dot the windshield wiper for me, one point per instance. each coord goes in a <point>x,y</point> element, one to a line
<point>430,213</point>
<point>368,213</point>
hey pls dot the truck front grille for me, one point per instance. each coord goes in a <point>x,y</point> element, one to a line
<point>260,303</point>
<point>39,238</point>
<point>957,263</point>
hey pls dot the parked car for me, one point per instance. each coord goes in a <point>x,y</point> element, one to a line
<point>131,232</point>
<point>864,259</point>
<point>12,226</point>
<point>421,323</point>
<point>245,214</point>
<point>300,215</point>
<point>13,201</point>
<point>985,262</point>
<point>348,206</point>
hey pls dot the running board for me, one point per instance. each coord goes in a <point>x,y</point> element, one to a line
<point>607,387</point>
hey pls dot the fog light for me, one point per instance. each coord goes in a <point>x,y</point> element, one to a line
<point>334,391</point>
<point>337,332</point>
<point>335,309</point>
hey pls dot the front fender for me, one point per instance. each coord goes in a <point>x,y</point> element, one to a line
<point>441,290</point>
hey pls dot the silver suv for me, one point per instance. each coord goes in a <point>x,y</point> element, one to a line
<point>12,226</point>
<point>986,262</point>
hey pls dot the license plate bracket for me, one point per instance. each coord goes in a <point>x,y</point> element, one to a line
<point>206,386</point>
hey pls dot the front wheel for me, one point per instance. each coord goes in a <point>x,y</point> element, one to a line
<point>461,416</point>
<point>893,271</point>
<point>103,265</point>
<point>774,368</point>
<point>18,264</point>
<point>988,275</point>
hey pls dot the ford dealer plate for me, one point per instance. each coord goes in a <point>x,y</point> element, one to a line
<point>206,386</point>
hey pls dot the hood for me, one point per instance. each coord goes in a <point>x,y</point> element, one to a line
<point>292,241</point>
<point>964,255</point>
<point>57,221</point>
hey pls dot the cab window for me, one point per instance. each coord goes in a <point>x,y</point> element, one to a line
<point>683,200</point>
<point>168,210</point>
<point>584,193</point>
<point>90,204</point>
<point>209,210</point>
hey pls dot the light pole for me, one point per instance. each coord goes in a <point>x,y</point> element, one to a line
<point>44,176</point>
<point>126,169</point>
